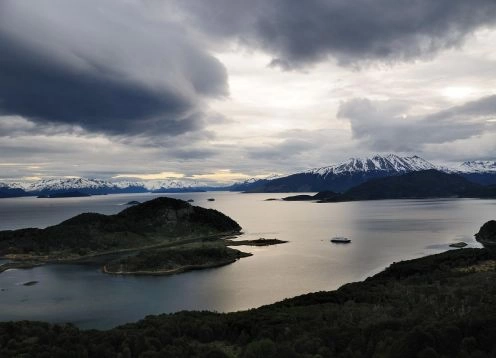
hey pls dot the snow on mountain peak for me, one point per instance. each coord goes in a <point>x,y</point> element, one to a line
<point>476,166</point>
<point>171,184</point>
<point>257,179</point>
<point>388,163</point>
<point>66,184</point>
<point>71,183</point>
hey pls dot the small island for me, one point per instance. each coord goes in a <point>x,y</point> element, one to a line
<point>257,242</point>
<point>175,260</point>
<point>323,195</point>
<point>459,245</point>
<point>65,194</point>
<point>133,202</point>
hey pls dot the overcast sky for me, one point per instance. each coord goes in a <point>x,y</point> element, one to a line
<point>223,90</point>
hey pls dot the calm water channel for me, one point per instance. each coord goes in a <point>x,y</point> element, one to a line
<point>381,231</point>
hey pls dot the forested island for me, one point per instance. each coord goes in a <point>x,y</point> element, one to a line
<point>159,237</point>
<point>442,305</point>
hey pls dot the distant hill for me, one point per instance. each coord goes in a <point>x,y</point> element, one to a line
<point>415,185</point>
<point>9,192</point>
<point>153,222</point>
<point>423,184</point>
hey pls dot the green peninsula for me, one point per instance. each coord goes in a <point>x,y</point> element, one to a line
<point>142,230</point>
<point>195,256</point>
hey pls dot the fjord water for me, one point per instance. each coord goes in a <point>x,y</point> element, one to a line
<point>381,231</point>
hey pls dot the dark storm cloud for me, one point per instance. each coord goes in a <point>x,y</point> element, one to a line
<point>103,66</point>
<point>381,125</point>
<point>299,32</point>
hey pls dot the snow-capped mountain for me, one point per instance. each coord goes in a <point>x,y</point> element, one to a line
<point>13,184</point>
<point>478,171</point>
<point>173,185</point>
<point>59,184</point>
<point>11,189</point>
<point>476,166</point>
<point>250,183</point>
<point>49,186</point>
<point>83,185</point>
<point>342,176</point>
<point>387,163</point>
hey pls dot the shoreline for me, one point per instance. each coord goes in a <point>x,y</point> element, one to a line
<point>23,261</point>
<point>392,272</point>
<point>30,261</point>
<point>181,269</point>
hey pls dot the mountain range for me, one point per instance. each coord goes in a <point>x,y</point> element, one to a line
<point>338,178</point>
<point>343,176</point>
<point>54,186</point>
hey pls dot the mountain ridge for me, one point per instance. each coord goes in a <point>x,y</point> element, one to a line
<point>337,177</point>
<point>355,171</point>
<point>389,162</point>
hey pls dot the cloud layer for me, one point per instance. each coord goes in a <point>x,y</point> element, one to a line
<point>384,126</point>
<point>297,33</point>
<point>102,88</point>
<point>103,66</point>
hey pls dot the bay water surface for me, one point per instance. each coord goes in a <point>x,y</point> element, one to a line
<point>382,232</point>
